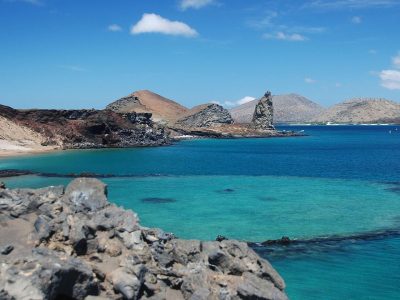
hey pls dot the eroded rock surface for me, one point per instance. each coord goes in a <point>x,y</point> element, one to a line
<point>88,128</point>
<point>74,244</point>
<point>206,115</point>
<point>264,113</point>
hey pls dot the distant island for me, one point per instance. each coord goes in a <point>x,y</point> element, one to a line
<point>141,119</point>
<point>296,109</point>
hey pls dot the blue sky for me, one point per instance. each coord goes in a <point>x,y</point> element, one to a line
<point>76,54</point>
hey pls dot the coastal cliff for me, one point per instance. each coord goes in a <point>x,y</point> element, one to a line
<point>72,129</point>
<point>73,244</point>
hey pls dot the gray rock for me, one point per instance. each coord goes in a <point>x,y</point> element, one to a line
<point>263,113</point>
<point>254,287</point>
<point>42,227</point>
<point>6,249</point>
<point>46,275</point>
<point>126,283</point>
<point>206,115</point>
<point>86,195</point>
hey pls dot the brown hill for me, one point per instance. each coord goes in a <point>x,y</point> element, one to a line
<point>163,109</point>
<point>362,111</point>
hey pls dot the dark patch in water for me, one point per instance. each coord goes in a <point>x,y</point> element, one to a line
<point>14,172</point>
<point>156,200</point>
<point>394,189</point>
<point>226,191</point>
<point>285,247</point>
<point>267,198</point>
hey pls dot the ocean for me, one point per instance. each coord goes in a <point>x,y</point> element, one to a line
<point>336,191</point>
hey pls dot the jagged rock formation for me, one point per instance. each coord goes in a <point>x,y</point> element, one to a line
<point>161,108</point>
<point>263,113</point>
<point>88,128</point>
<point>206,115</point>
<point>290,108</point>
<point>72,244</point>
<point>361,111</point>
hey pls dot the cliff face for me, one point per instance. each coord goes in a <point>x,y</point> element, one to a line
<point>360,111</point>
<point>72,243</point>
<point>89,128</point>
<point>161,108</point>
<point>264,113</point>
<point>289,108</point>
<point>206,115</point>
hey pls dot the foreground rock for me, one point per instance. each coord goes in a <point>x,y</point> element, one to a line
<point>75,244</point>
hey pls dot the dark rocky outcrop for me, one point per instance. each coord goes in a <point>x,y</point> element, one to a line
<point>206,115</point>
<point>264,113</point>
<point>89,128</point>
<point>73,244</point>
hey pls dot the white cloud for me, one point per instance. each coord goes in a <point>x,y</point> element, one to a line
<point>372,51</point>
<point>114,28</point>
<point>390,79</point>
<point>152,23</point>
<point>396,61</point>
<point>309,80</point>
<point>350,4</point>
<point>229,103</point>
<point>356,20</point>
<point>338,85</point>
<point>196,4</point>
<point>245,100</point>
<point>282,36</point>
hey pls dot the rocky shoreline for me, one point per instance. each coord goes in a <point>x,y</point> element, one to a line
<point>73,244</point>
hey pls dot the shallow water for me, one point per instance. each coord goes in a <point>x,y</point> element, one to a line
<point>336,181</point>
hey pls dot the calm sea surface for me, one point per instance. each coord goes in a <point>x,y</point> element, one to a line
<point>338,181</point>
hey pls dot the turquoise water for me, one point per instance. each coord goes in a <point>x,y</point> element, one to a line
<point>336,181</point>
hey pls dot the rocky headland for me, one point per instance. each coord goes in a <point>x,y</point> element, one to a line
<point>72,243</point>
<point>81,129</point>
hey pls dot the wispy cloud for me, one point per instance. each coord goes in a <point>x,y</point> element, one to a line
<point>245,100</point>
<point>390,79</point>
<point>349,4</point>
<point>114,28</point>
<point>291,37</point>
<point>356,20</point>
<point>309,80</point>
<point>153,23</point>
<point>196,4</point>
<point>33,2</point>
<point>279,31</point>
<point>372,51</point>
<point>229,104</point>
<point>73,68</point>
<point>396,61</point>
